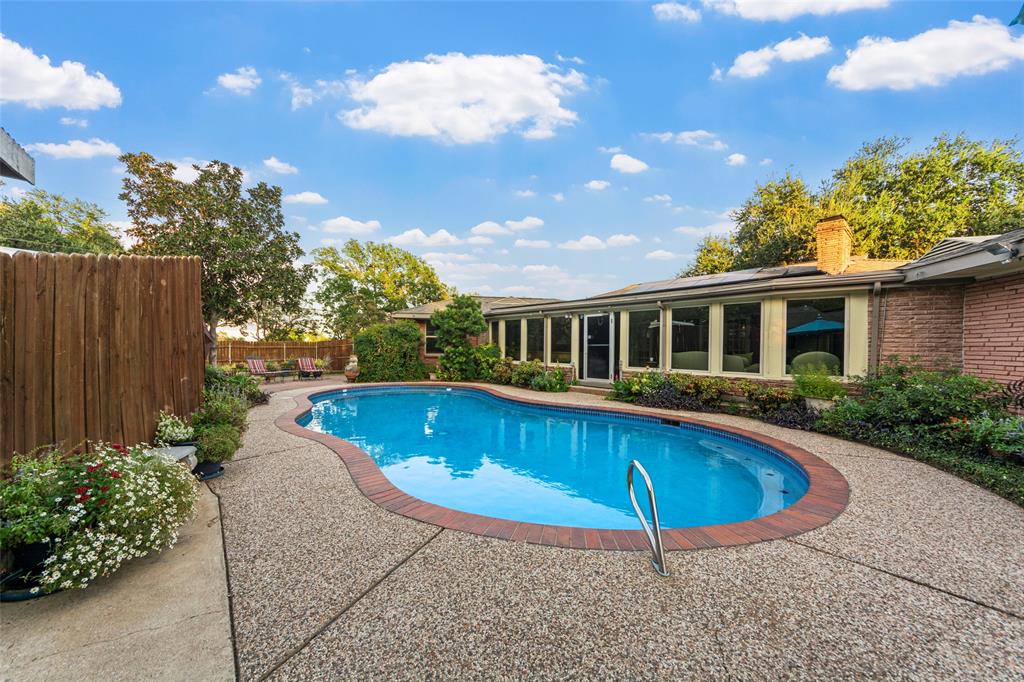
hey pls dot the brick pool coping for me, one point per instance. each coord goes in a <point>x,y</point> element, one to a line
<point>826,497</point>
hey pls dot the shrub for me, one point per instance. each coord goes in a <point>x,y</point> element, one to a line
<point>628,390</point>
<point>524,373</point>
<point>488,355</point>
<point>707,391</point>
<point>502,371</point>
<point>323,363</point>
<point>458,363</point>
<point>390,352</point>
<point>459,320</point>
<point>220,407</point>
<point>241,384</point>
<point>1001,437</point>
<point>794,415</point>
<point>764,398</point>
<point>172,429</point>
<point>818,382</point>
<point>551,381</point>
<point>217,442</point>
<point>98,509</point>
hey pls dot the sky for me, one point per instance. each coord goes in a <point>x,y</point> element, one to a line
<point>535,149</point>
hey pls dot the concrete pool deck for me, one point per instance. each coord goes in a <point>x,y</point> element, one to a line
<point>922,576</point>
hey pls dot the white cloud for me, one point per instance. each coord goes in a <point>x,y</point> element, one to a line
<point>304,95</point>
<point>312,198</point>
<point>519,290</point>
<point>417,237</point>
<point>460,270</point>
<point>659,198</point>
<point>70,121</point>
<point>544,271</point>
<point>448,256</point>
<point>660,254</point>
<point>587,242</point>
<point>624,163</point>
<point>278,166</point>
<point>241,82</point>
<point>622,240</point>
<point>76,149</point>
<point>691,138</point>
<point>674,11</point>
<point>489,227</point>
<point>532,243</point>
<point>766,162</point>
<point>573,60</point>
<point>931,58</point>
<point>184,169</point>
<point>758,62</point>
<point>736,160</point>
<point>33,81</point>
<point>784,10</point>
<point>528,223</point>
<point>558,196</point>
<point>716,72</point>
<point>723,227</point>
<point>610,150</point>
<point>345,225</point>
<point>479,240</point>
<point>12,191</point>
<point>463,99</point>
<point>525,193</point>
<point>597,185</point>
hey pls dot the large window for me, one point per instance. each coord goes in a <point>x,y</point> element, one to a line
<point>535,339</point>
<point>690,337</point>
<point>741,338</point>
<point>430,336</point>
<point>494,332</point>
<point>561,340</point>
<point>513,339</point>
<point>815,333</point>
<point>644,338</point>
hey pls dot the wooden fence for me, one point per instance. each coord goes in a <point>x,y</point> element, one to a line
<point>338,350</point>
<point>94,347</point>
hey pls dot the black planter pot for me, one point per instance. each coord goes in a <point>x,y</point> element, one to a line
<point>26,560</point>
<point>207,470</point>
<point>179,443</point>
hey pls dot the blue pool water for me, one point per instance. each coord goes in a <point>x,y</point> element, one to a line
<point>470,451</point>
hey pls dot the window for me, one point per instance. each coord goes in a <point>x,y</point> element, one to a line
<point>741,338</point>
<point>815,334</point>
<point>494,333</point>
<point>561,340</point>
<point>430,335</point>
<point>690,337</point>
<point>513,339</point>
<point>644,338</point>
<point>535,339</point>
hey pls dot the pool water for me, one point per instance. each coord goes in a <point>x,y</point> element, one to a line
<point>467,450</point>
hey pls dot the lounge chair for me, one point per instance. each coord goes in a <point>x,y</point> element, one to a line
<point>307,368</point>
<point>258,368</point>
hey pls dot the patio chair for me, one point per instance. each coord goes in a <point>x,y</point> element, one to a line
<point>258,368</point>
<point>817,358</point>
<point>307,368</point>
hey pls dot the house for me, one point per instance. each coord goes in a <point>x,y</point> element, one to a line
<point>429,350</point>
<point>15,162</point>
<point>962,303</point>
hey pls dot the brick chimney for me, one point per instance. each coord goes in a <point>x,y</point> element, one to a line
<point>835,243</point>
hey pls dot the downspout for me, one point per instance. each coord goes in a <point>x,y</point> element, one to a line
<point>876,328</point>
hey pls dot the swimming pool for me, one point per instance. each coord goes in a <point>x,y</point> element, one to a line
<point>470,451</point>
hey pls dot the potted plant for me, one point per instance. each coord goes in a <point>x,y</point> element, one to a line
<point>819,388</point>
<point>173,431</point>
<point>217,443</point>
<point>352,368</point>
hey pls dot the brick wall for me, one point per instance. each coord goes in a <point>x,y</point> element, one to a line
<point>994,328</point>
<point>926,321</point>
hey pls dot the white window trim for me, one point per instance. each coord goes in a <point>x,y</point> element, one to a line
<point>625,333</point>
<point>426,353</point>
<point>721,339</point>
<point>846,331</point>
<point>668,340</point>
<point>548,346</point>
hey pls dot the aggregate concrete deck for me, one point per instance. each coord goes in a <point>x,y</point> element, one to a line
<point>921,577</point>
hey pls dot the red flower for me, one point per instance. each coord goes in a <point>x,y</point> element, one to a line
<point>115,473</point>
<point>83,498</point>
<point>94,467</point>
<point>81,490</point>
<point>104,488</point>
<point>102,502</point>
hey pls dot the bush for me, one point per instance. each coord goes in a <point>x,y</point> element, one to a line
<point>240,383</point>
<point>794,415</point>
<point>1003,438</point>
<point>458,363</point>
<point>171,429</point>
<point>488,355</point>
<point>390,352</point>
<point>524,373</point>
<point>550,381</point>
<point>457,321</point>
<point>628,390</point>
<point>97,509</point>
<point>818,382</point>
<point>707,391</point>
<point>221,407</point>
<point>502,371</point>
<point>217,442</point>
<point>764,398</point>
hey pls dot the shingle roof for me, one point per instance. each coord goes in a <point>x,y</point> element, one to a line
<point>487,304</point>
<point>954,247</point>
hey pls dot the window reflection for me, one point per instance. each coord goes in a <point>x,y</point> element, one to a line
<point>815,334</point>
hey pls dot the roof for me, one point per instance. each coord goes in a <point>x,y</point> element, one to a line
<point>487,304</point>
<point>955,247</point>
<point>969,257</point>
<point>15,162</point>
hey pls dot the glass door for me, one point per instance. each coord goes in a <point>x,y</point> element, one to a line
<point>597,347</point>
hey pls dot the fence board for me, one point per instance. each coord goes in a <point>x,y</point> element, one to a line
<point>93,347</point>
<point>339,350</point>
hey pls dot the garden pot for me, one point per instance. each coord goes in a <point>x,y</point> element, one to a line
<point>207,470</point>
<point>819,404</point>
<point>351,374</point>
<point>181,443</point>
<point>27,559</point>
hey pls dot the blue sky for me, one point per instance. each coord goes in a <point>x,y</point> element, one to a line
<point>506,128</point>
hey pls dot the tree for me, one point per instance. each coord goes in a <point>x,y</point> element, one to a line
<point>248,257</point>
<point>272,323</point>
<point>776,225</point>
<point>714,254</point>
<point>459,320</point>
<point>365,282</point>
<point>41,221</point>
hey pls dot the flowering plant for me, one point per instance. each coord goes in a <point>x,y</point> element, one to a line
<point>172,429</point>
<point>98,509</point>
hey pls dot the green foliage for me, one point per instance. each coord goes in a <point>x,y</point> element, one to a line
<point>488,355</point>
<point>32,498</point>
<point>524,373</point>
<point>765,398</point>
<point>899,204</point>
<point>629,389</point>
<point>670,391</point>
<point>217,442</point>
<point>239,383</point>
<point>248,256</point>
<point>221,407</point>
<point>459,320</point>
<point>364,282</point>
<point>41,221</point>
<point>274,322</point>
<point>390,352</point>
<point>458,363</point>
<point>1002,437</point>
<point>172,429</point>
<point>818,382</point>
<point>502,371</point>
<point>550,381</point>
<point>706,390</point>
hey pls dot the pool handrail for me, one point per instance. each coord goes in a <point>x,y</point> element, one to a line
<point>653,536</point>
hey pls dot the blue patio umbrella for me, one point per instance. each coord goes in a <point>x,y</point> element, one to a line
<point>816,326</point>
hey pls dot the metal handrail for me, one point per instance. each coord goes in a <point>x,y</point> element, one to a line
<point>654,537</point>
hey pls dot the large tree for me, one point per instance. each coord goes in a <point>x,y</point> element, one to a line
<point>714,254</point>
<point>41,221</point>
<point>248,257</point>
<point>899,204</point>
<point>364,282</point>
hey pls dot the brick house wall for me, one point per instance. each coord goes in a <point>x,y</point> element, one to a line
<point>993,341</point>
<point>431,360</point>
<point>926,321</point>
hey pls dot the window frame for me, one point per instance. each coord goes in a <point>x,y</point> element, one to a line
<point>846,330</point>
<point>629,339</point>
<point>426,341</point>
<point>550,341</point>
<point>518,325</point>
<point>543,341</point>
<point>761,341</point>
<point>709,305</point>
